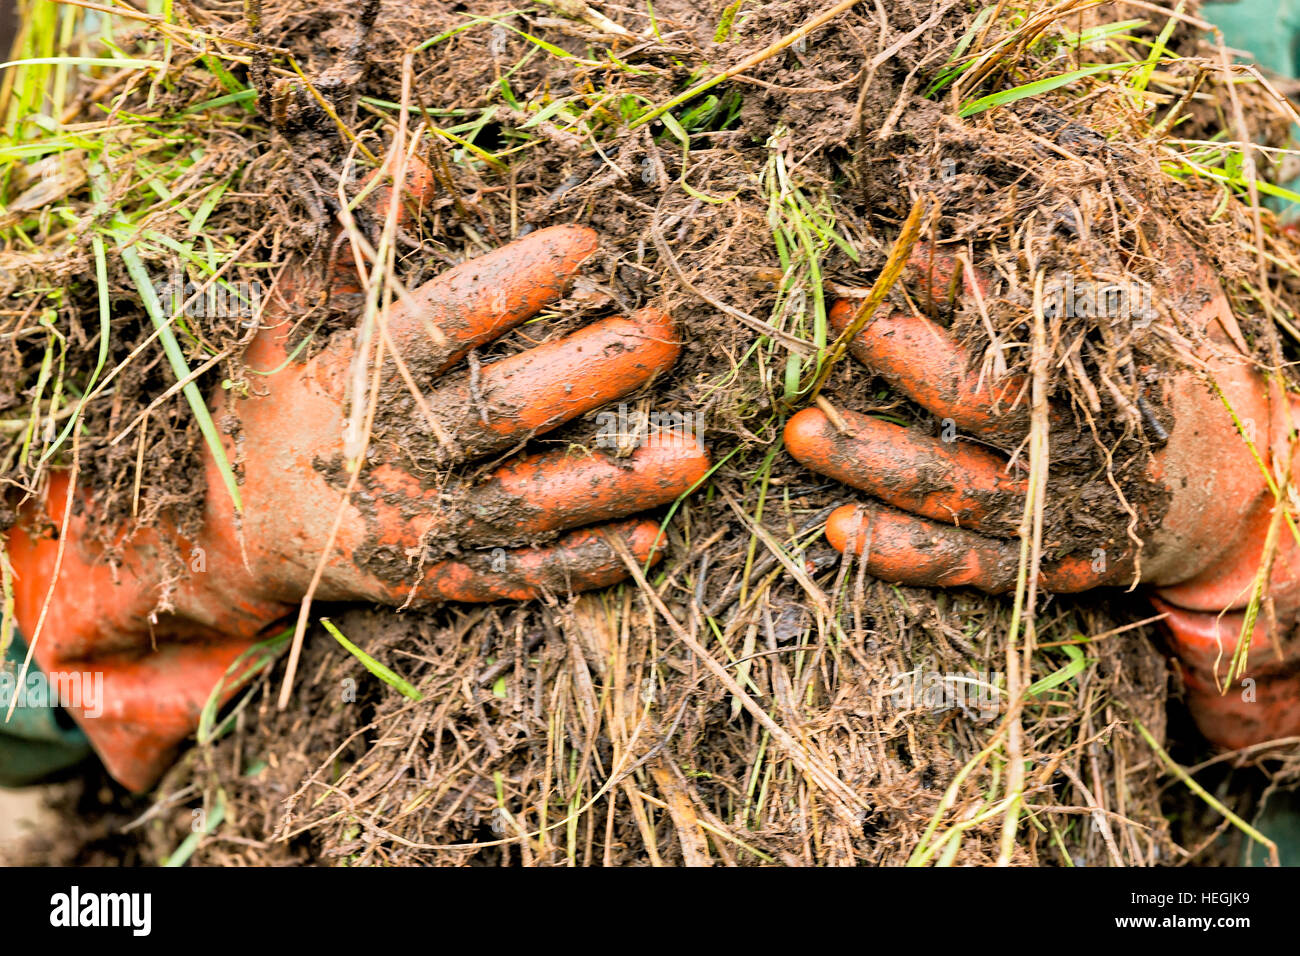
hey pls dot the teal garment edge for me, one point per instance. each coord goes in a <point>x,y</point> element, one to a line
<point>37,741</point>
<point>1269,30</point>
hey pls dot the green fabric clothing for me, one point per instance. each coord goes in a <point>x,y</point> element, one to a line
<point>38,740</point>
<point>1270,31</point>
<point>1279,820</point>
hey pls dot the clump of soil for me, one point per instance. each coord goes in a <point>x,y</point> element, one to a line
<point>586,730</point>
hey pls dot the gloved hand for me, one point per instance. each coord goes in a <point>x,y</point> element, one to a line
<point>405,533</point>
<point>950,507</point>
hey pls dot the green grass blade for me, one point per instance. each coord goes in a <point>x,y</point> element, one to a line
<point>172,348</point>
<point>1100,34</point>
<point>101,279</point>
<point>372,665</point>
<point>208,729</point>
<point>183,852</point>
<point>1038,86</point>
<point>243,96</point>
<point>1078,664</point>
<point>116,63</point>
<point>1158,49</point>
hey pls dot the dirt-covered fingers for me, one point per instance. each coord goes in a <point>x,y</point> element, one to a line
<point>299,286</point>
<point>904,549</point>
<point>921,359</point>
<point>951,482</point>
<point>380,191</point>
<point>940,277</point>
<point>578,561</point>
<point>418,188</point>
<point>556,491</point>
<point>486,297</point>
<point>528,501</point>
<point>537,390</point>
<point>435,325</point>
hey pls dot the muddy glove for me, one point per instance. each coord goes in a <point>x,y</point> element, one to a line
<point>409,533</point>
<point>946,512</point>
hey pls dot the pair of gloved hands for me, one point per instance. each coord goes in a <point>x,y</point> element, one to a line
<point>286,438</point>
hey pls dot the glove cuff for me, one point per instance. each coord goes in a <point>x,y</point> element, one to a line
<point>1263,702</point>
<point>98,628</point>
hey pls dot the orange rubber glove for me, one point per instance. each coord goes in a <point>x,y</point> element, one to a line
<point>944,521</point>
<point>401,532</point>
